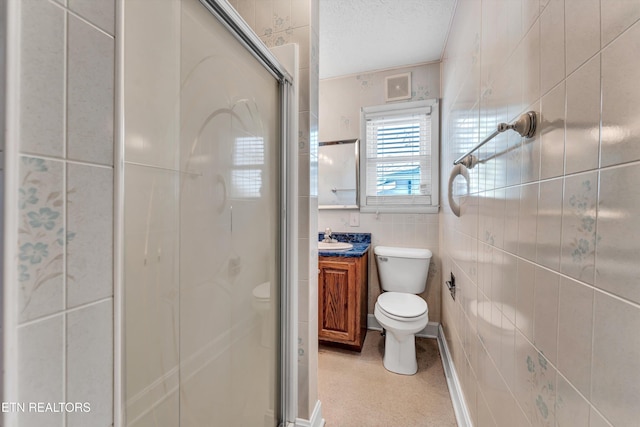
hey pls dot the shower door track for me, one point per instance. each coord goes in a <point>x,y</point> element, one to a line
<point>228,16</point>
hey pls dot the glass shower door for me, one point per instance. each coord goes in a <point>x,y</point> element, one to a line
<point>202,223</point>
<point>229,252</point>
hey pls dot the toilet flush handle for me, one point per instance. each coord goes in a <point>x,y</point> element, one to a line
<point>383,259</point>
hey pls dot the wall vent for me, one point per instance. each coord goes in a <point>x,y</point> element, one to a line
<point>397,87</point>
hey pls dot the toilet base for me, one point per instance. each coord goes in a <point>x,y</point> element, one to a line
<point>400,340</point>
<point>400,355</point>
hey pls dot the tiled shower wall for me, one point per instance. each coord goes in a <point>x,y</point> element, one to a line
<point>341,99</point>
<point>279,22</point>
<point>64,250</point>
<point>544,327</point>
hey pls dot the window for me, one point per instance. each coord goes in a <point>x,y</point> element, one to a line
<point>248,162</point>
<point>399,157</point>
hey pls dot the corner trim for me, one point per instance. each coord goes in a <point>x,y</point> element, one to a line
<point>316,418</point>
<point>119,350</point>
<point>455,390</point>
<point>8,311</point>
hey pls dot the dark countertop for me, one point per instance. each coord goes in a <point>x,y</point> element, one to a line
<point>360,241</point>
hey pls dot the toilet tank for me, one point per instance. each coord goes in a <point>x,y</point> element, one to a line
<point>402,269</point>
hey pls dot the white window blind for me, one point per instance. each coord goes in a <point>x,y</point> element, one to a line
<point>248,162</point>
<point>398,159</point>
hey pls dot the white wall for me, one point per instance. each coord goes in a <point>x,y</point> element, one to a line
<point>341,99</point>
<point>544,327</point>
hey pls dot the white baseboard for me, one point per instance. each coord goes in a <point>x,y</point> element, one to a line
<point>455,390</point>
<point>316,418</point>
<point>430,331</point>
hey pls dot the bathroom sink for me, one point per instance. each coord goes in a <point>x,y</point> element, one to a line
<point>334,246</point>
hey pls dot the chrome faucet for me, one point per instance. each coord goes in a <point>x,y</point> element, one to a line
<point>327,236</point>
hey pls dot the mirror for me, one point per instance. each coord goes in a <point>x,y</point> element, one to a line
<point>338,175</point>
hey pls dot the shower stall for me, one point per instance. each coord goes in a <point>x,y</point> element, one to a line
<point>204,220</point>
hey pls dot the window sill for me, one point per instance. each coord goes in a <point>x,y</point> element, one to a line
<point>400,209</point>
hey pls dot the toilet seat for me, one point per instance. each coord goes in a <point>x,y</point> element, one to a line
<point>401,306</point>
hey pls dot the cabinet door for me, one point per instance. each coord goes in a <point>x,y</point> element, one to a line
<point>337,301</point>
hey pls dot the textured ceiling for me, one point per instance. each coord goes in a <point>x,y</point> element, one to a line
<point>366,35</point>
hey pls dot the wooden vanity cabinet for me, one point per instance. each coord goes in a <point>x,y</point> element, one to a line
<point>342,301</point>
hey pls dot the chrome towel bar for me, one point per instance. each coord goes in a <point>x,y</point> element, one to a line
<point>525,126</point>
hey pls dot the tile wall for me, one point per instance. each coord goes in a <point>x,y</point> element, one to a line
<point>279,22</point>
<point>341,99</point>
<point>543,330</point>
<point>65,214</point>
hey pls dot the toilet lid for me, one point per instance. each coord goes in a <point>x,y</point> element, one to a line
<point>262,291</point>
<point>401,304</point>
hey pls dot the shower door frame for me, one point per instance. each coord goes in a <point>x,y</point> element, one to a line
<point>228,17</point>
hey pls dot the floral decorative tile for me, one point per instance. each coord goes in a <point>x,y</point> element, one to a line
<point>277,39</point>
<point>279,33</point>
<point>41,237</point>
<point>541,383</point>
<point>301,348</point>
<point>367,81</point>
<point>420,92</point>
<point>579,227</point>
<point>345,123</point>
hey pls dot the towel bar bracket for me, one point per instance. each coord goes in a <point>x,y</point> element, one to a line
<point>525,125</point>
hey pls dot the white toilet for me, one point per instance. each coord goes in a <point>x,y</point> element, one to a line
<point>403,274</point>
